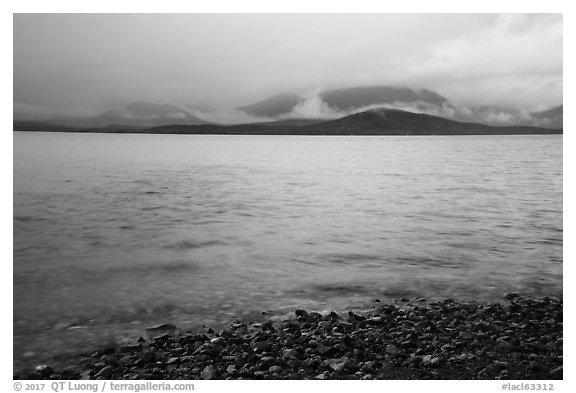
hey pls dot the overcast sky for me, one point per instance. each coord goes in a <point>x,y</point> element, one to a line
<point>87,63</point>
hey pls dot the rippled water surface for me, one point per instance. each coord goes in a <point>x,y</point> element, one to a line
<point>113,233</point>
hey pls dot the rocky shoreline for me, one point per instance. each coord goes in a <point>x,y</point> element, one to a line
<point>519,339</point>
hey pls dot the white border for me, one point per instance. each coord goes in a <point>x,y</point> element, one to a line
<point>259,6</point>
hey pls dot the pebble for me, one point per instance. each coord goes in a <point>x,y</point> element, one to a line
<point>291,354</point>
<point>105,373</point>
<point>557,370</point>
<point>217,340</point>
<point>391,349</point>
<point>432,340</point>
<point>208,373</point>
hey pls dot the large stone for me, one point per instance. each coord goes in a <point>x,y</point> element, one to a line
<point>391,349</point>
<point>340,364</point>
<point>261,346</point>
<point>148,357</point>
<point>105,373</point>
<point>218,340</point>
<point>557,371</point>
<point>291,354</point>
<point>275,369</point>
<point>208,373</point>
<point>352,317</point>
<point>44,370</point>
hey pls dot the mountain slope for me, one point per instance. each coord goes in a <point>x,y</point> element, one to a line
<point>552,118</point>
<point>398,122</point>
<point>274,106</point>
<point>358,97</point>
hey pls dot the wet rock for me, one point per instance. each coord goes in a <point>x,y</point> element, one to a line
<point>44,370</point>
<point>438,340</point>
<point>313,344</point>
<point>392,349</point>
<point>266,361</point>
<point>275,369</point>
<point>261,346</point>
<point>217,340</point>
<point>85,375</point>
<point>105,373</point>
<point>367,368</point>
<point>327,351</point>
<point>352,317</point>
<point>435,361</point>
<point>148,357</point>
<point>311,363</point>
<point>496,367</point>
<point>413,317</point>
<point>208,373</point>
<point>291,354</point>
<point>332,316</point>
<point>557,371</point>
<point>340,364</point>
<point>426,359</point>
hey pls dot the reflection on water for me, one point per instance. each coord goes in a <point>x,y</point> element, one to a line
<point>113,233</point>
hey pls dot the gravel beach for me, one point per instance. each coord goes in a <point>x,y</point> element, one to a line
<point>519,338</point>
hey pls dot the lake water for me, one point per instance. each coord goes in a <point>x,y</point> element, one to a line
<point>114,233</point>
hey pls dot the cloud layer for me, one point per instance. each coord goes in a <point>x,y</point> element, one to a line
<point>87,63</point>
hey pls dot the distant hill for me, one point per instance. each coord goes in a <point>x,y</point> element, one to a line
<point>552,118</point>
<point>274,106</point>
<point>136,114</point>
<point>359,97</point>
<point>398,122</point>
<point>371,122</point>
<point>506,116</point>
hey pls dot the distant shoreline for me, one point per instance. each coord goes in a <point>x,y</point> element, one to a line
<point>370,123</point>
<point>292,132</point>
<point>295,135</point>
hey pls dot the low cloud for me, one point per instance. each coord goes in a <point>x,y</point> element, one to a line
<point>494,116</point>
<point>313,107</point>
<point>226,116</point>
<point>22,111</point>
